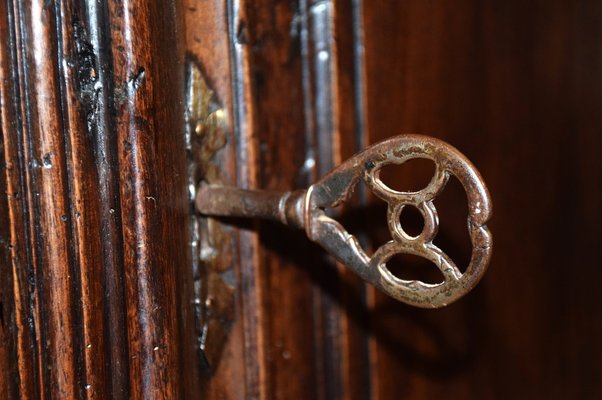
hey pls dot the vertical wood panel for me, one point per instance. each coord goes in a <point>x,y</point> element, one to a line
<point>49,225</point>
<point>301,341</point>
<point>293,88</point>
<point>18,334</point>
<point>95,279</point>
<point>95,207</point>
<point>87,244</point>
<point>94,155</point>
<point>274,33</point>
<point>153,195</point>
<point>353,293</point>
<point>514,86</point>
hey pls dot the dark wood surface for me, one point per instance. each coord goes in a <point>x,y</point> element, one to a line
<point>95,278</point>
<point>516,87</point>
<point>94,201</point>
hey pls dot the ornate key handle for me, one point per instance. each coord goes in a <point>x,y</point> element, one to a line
<point>306,209</point>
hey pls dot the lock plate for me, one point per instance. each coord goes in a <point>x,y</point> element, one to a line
<point>210,242</point>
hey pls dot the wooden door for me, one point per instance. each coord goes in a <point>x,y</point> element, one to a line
<point>105,291</point>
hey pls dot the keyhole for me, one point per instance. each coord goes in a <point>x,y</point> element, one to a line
<point>411,221</point>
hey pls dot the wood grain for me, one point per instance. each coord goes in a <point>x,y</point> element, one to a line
<point>291,84</point>
<point>505,84</point>
<point>95,278</point>
<point>153,200</point>
<point>19,356</point>
<point>514,86</point>
<point>285,299</point>
<point>94,200</point>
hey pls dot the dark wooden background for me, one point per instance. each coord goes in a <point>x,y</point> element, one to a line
<point>517,86</point>
<point>94,278</point>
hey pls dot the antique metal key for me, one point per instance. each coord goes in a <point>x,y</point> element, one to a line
<point>305,209</point>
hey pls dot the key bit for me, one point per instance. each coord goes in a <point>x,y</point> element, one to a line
<point>305,209</point>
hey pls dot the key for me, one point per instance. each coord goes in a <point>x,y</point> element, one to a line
<point>306,209</point>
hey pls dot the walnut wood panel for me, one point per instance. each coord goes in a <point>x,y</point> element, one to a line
<point>286,327</point>
<point>297,82</point>
<point>353,294</point>
<point>94,201</point>
<point>515,86</point>
<point>291,337</point>
<point>95,278</point>
<point>17,335</point>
